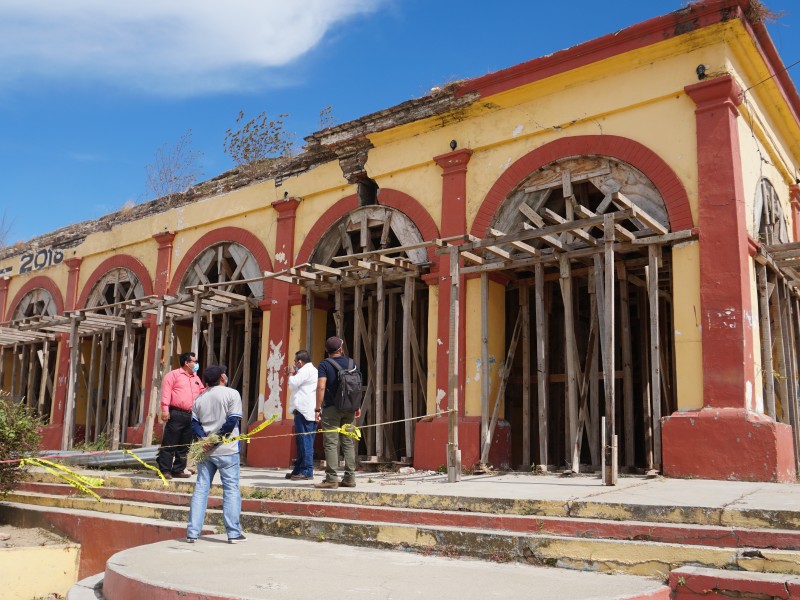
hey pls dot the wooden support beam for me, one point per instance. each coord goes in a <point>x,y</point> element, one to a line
<point>569,353</point>
<point>484,358</point>
<point>246,374</point>
<point>453,453</point>
<point>541,365</point>
<point>379,362</point>
<point>408,300</point>
<point>654,254</point>
<point>155,397</point>
<point>67,436</point>
<point>648,221</point>
<point>196,323</point>
<point>127,399</point>
<point>627,364</point>
<point>91,391</point>
<point>525,309</point>
<point>766,341</point>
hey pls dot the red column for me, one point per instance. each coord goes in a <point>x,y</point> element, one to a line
<point>724,440</point>
<point>51,434</point>
<point>135,434</point>
<point>4,281</point>
<point>275,451</point>
<point>431,436</point>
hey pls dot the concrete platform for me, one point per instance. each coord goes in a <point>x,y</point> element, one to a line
<point>269,567</point>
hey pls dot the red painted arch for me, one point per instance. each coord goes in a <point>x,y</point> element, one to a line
<point>223,234</point>
<point>624,149</point>
<point>43,282</point>
<point>117,261</point>
<point>386,197</point>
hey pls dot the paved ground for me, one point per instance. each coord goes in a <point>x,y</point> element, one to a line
<point>268,567</point>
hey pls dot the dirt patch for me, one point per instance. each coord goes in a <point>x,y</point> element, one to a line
<point>23,537</point>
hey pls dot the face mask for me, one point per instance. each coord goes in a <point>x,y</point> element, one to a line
<point>196,367</point>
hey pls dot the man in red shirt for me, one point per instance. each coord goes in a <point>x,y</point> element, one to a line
<point>178,391</point>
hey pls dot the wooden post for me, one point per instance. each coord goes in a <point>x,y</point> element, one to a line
<point>358,317</point>
<point>196,323</point>
<point>119,397</point>
<point>155,388</point>
<point>67,436</point>
<point>484,358</point>
<point>248,339</point>
<point>14,359</point>
<point>309,319</point>
<point>223,338</point>
<point>542,374</point>
<point>524,306</point>
<point>91,391</point>
<point>408,303</point>
<point>788,370</point>
<point>571,379</point>
<point>210,340</point>
<point>609,373</point>
<point>338,315</point>
<point>130,348</point>
<point>101,382</point>
<point>379,361</point>
<point>627,361</point>
<point>2,367</point>
<point>45,375</point>
<point>453,453</point>
<point>29,399</point>
<point>780,341</point>
<point>654,252</point>
<point>766,341</point>
<point>388,437</point>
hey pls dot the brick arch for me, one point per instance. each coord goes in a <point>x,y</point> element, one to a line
<point>40,281</point>
<point>392,198</point>
<point>624,149</point>
<point>223,234</point>
<point>125,261</point>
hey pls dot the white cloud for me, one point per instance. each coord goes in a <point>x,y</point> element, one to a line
<point>178,47</point>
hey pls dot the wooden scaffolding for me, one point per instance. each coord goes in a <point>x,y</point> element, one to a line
<point>607,253</point>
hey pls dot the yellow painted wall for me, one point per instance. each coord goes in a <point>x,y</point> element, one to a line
<point>432,394</point>
<point>496,341</point>
<point>686,316</point>
<point>37,572</point>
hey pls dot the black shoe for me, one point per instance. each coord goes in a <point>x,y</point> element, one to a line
<point>288,476</point>
<point>299,477</point>
<point>237,540</point>
<point>191,540</point>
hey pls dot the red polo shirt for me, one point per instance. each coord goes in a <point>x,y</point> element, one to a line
<point>179,389</point>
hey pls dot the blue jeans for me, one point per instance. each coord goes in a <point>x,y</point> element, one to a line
<point>304,463</point>
<point>228,467</point>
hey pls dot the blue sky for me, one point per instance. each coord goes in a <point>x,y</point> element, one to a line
<point>91,89</point>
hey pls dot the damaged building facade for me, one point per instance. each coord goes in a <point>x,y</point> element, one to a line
<point>585,261</point>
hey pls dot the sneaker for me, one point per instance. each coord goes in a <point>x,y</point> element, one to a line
<point>237,540</point>
<point>348,482</point>
<point>299,477</point>
<point>183,475</point>
<point>191,540</point>
<point>327,485</point>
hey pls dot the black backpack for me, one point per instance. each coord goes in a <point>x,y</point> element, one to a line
<point>347,397</point>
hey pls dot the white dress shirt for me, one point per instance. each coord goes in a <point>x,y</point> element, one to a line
<point>303,385</point>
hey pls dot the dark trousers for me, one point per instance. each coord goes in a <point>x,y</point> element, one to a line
<point>175,443</point>
<point>304,464</point>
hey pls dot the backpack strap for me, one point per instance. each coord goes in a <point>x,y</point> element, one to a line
<point>335,364</point>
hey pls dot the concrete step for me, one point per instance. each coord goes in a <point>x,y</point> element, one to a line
<point>722,516</point>
<point>621,555</point>
<point>695,583</point>
<point>268,567</point>
<point>707,535</point>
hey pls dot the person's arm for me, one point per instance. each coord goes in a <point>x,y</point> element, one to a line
<point>166,395</point>
<point>321,381</point>
<point>197,428</point>
<point>229,425</point>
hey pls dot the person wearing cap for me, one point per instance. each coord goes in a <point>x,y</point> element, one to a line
<point>331,417</point>
<point>217,410</point>
<point>178,390</point>
<point>303,384</point>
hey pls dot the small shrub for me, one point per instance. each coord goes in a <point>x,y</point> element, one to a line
<point>19,437</point>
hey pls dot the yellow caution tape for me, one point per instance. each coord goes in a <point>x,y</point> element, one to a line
<point>349,430</point>
<point>152,468</point>
<point>246,436</point>
<point>76,480</point>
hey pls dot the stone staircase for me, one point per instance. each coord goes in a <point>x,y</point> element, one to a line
<point>598,536</point>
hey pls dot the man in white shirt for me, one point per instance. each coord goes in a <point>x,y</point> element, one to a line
<point>302,404</point>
